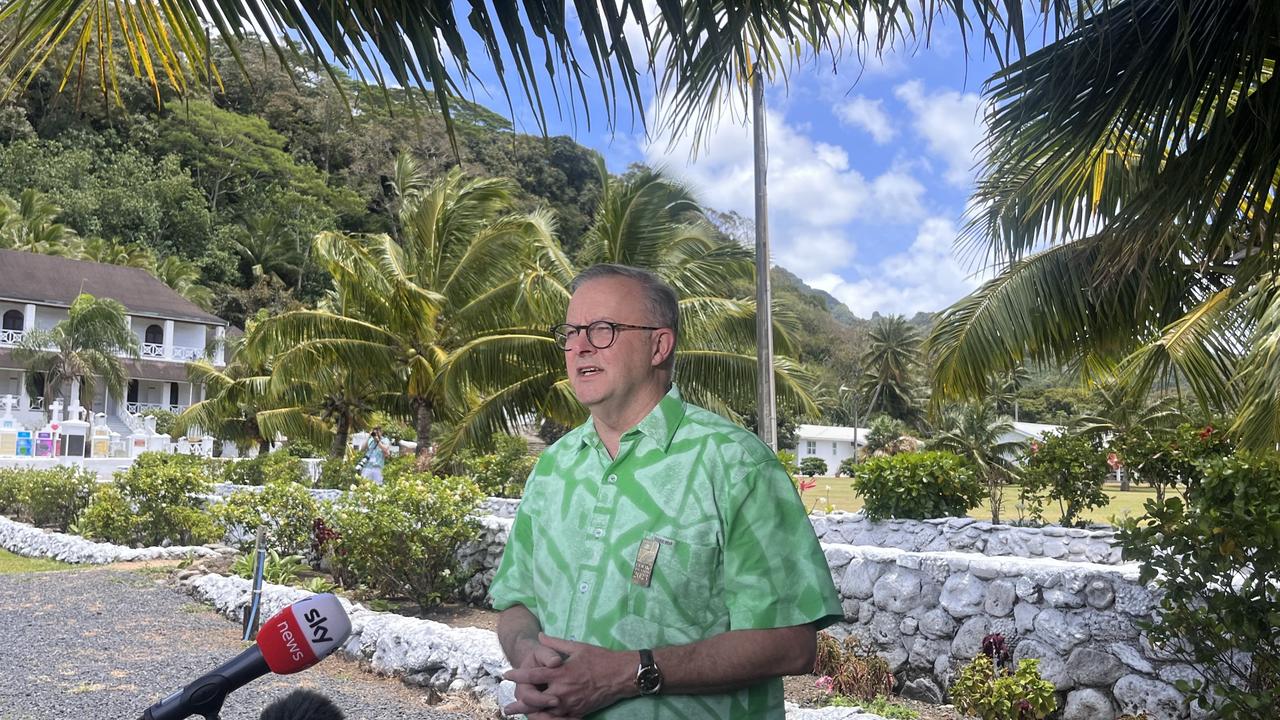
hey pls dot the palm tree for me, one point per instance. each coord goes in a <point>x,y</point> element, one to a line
<point>85,347</point>
<point>234,396</point>
<point>30,224</point>
<point>891,362</point>
<point>645,220</point>
<point>1154,191</point>
<point>1124,411</point>
<point>183,276</point>
<point>112,253</point>
<point>265,250</point>
<point>697,49</point>
<point>974,431</point>
<point>401,307</point>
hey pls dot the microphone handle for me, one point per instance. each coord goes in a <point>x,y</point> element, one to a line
<point>206,695</point>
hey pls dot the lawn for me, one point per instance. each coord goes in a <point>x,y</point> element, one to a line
<point>10,563</point>
<point>838,491</point>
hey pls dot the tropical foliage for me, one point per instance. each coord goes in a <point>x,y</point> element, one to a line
<point>83,348</point>
<point>891,365</point>
<point>974,432</point>
<point>1133,207</point>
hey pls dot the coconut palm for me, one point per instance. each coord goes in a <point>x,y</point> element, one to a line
<point>974,431</point>
<point>234,396</point>
<point>891,362</point>
<point>698,49</point>
<point>183,276</point>
<point>101,250</point>
<point>650,221</point>
<point>1153,192</point>
<point>85,347</point>
<point>401,307</point>
<point>30,224</point>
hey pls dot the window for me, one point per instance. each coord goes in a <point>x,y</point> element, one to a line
<point>154,335</point>
<point>810,447</point>
<point>13,320</point>
<point>833,448</point>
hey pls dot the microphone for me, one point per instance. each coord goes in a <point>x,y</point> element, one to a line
<point>294,639</point>
<point>302,705</point>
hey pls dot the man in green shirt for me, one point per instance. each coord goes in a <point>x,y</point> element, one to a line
<point>661,564</point>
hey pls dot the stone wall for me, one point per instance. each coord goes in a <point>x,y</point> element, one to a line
<point>971,536</point>
<point>927,612</point>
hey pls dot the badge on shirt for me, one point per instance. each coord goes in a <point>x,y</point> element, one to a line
<point>646,558</point>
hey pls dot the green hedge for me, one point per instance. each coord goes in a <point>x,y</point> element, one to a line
<point>158,499</point>
<point>51,497</point>
<point>917,485</point>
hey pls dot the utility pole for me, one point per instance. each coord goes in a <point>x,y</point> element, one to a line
<point>766,414</point>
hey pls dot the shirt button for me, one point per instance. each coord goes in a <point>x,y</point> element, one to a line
<point>613,478</point>
<point>573,638</point>
<point>598,532</point>
<point>583,587</point>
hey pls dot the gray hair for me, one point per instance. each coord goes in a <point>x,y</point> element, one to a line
<point>659,297</point>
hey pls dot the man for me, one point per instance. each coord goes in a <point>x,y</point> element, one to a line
<point>375,456</point>
<point>661,564</point>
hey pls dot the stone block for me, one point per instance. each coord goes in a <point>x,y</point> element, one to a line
<point>899,590</point>
<point>962,595</point>
<point>1088,704</point>
<point>860,578</point>
<point>1098,594</point>
<point>1131,657</point>
<point>1060,598</point>
<point>937,624</point>
<point>1094,668</point>
<point>1137,694</point>
<point>883,629</point>
<point>1063,632</point>
<point>1027,590</point>
<point>1052,667</point>
<point>924,652</point>
<point>850,608</point>
<point>1000,598</point>
<point>908,626</point>
<point>968,640</point>
<point>1054,548</point>
<point>924,690</point>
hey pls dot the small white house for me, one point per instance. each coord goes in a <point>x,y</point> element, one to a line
<point>1025,432</point>
<point>832,443</point>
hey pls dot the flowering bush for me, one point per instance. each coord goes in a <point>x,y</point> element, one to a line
<point>1067,469</point>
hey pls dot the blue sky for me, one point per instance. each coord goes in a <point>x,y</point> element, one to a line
<point>870,169</point>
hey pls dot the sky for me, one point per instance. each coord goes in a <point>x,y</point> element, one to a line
<point>870,169</point>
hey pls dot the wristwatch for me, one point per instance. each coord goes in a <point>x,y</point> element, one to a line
<point>648,676</point>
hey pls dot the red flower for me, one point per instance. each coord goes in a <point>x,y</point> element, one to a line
<point>807,485</point>
<point>1207,432</point>
<point>1113,460</point>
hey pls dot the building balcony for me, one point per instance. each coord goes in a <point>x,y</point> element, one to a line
<point>147,351</point>
<point>135,408</point>
<point>11,337</point>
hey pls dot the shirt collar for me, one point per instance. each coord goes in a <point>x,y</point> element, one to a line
<point>659,425</point>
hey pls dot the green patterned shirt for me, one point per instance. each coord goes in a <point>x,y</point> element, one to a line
<point>735,549</point>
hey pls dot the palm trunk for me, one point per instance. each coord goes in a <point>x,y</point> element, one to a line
<point>264,446</point>
<point>422,424</point>
<point>338,448</point>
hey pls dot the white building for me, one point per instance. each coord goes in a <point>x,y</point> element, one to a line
<point>36,292</point>
<point>832,443</point>
<point>1025,432</point>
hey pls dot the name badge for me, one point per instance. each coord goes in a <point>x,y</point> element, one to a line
<point>646,558</point>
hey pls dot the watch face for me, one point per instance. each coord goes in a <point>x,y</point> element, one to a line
<point>649,679</point>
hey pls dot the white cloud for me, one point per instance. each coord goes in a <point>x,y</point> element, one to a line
<point>924,278</point>
<point>951,124</point>
<point>869,115</point>
<point>814,191</point>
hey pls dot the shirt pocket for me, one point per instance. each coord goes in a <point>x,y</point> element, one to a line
<point>684,590</point>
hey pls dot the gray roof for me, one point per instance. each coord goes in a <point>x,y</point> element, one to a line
<point>50,280</point>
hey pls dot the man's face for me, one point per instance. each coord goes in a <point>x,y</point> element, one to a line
<point>613,375</point>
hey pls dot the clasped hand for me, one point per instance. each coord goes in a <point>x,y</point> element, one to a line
<point>562,678</point>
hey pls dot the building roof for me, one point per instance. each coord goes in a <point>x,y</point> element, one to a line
<point>1034,430</point>
<point>831,432</point>
<point>50,280</point>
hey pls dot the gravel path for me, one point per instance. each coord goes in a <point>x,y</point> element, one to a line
<point>107,643</point>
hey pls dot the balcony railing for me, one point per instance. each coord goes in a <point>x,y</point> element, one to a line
<point>135,407</point>
<point>11,337</point>
<point>178,352</point>
<point>152,350</point>
<point>147,351</point>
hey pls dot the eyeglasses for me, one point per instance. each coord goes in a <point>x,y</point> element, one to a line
<point>601,333</point>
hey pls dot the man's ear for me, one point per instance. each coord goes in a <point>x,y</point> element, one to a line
<point>663,346</point>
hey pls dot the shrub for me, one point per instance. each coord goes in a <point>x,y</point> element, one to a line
<point>165,420</point>
<point>247,471</point>
<point>1216,558</point>
<point>285,507</point>
<point>855,670</point>
<point>337,474</point>
<point>811,466</point>
<point>917,485</point>
<point>1068,469</point>
<point>882,436</point>
<point>302,450</point>
<point>262,469</point>
<point>402,537</point>
<point>158,499</point>
<point>51,497</point>
<point>277,569</point>
<point>503,472</point>
<point>788,460</point>
<point>993,693</point>
<point>1170,459</point>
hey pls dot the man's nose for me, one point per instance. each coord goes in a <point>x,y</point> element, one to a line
<point>579,344</point>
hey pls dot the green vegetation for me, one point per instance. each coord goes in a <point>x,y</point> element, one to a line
<point>503,472</point>
<point>1216,557</point>
<point>988,691</point>
<point>10,563</point>
<point>52,497</point>
<point>1066,469</point>
<point>851,669</point>
<point>156,499</point>
<point>283,506</point>
<point>917,485</point>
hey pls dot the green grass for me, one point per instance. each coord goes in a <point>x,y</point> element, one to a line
<point>838,491</point>
<point>10,563</point>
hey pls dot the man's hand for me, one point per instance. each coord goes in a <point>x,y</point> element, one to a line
<point>589,678</point>
<point>530,699</point>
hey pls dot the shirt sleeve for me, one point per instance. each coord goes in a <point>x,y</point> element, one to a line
<point>513,582</point>
<point>775,573</point>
